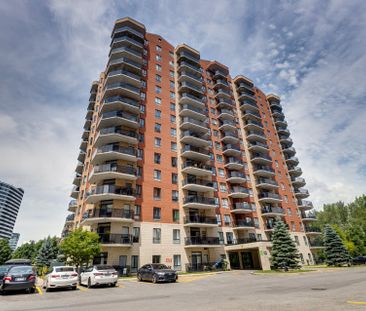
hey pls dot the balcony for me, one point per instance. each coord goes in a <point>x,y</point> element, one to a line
<point>280,121</point>
<point>221,83</point>
<point>186,66</point>
<point>258,147</point>
<point>110,192</point>
<point>200,221</point>
<point>276,113</point>
<point>243,96</point>
<point>229,137</point>
<point>81,156</point>
<point>123,76</point>
<point>245,87</point>
<point>72,206</point>
<point>116,103</point>
<point>231,150</point>
<point>218,73</point>
<point>316,244</point>
<point>292,161</point>
<point>298,182</point>
<point>191,78</point>
<point>125,63</point>
<point>308,217</point>
<point>242,208</point>
<point>189,56</point>
<point>272,211</point>
<point>238,192</point>
<point>98,215</point>
<point>70,218</point>
<point>190,87</point>
<point>196,241</point>
<point>195,139</point>
<point>226,114</point>
<point>193,112</point>
<point>77,179</point>
<point>265,171</point>
<point>223,93</point>
<point>111,135</point>
<point>128,29</point>
<point>224,103</point>
<point>305,205</point>
<point>87,124</point>
<point>275,104</point>
<point>79,168</point>
<point>256,136</point>
<point>194,201</point>
<point>196,168</point>
<point>301,193</point>
<point>75,192</point>
<point>227,125</point>
<point>266,183</point>
<point>251,115</point>
<point>118,240</point>
<point>126,52</point>
<point>261,158</point>
<point>113,152</point>
<point>269,197</point>
<point>247,105</point>
<point>295,171</point>
<point>311,230</point>
<point>290,151</point>
<point>253,125</point>
<point>244,241</point>
<point>188,123</point>
<point>233,163</point>
<point>283,131</point>
<point>195,153</point>
<point>244,225</point>
<point>126,41</point>
<point>235,177</point>
<point>187,98</point>
<point>118,118</point>
<point>85,134</point>
<point>126,89</point>
<point>112,171</point>
<point>191,183</point>
<point>286,140</point>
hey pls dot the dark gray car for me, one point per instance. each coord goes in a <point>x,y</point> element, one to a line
<point>156,272</point>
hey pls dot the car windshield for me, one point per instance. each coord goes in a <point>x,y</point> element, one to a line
<point>159,266</point>
<point>21,270</point>
<point>100,268</point>
<point>4,269</point>
<point>64,269</point>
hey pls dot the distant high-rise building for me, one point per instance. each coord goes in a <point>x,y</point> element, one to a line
<point>182,164</point>
<point>13,241</point>
<point>10,200</point>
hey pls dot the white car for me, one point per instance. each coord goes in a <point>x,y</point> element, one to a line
<point>61,277</point>
<point>99,275</point>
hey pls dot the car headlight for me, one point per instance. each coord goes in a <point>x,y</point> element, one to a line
<point>160,273</point>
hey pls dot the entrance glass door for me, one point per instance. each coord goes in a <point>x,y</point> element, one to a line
<point>196,261</point>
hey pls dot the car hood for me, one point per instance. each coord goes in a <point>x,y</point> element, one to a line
<point>165,270</point>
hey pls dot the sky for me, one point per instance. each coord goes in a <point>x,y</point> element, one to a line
<point>311,53</point>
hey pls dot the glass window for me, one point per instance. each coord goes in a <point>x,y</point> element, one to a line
<point>157,158</point>
<point>221,172</point>
<point>157,127</point>
<point>157,193</point>
<point>157,89</point>
<point>171,84</point>
<point>289,212</point>
<point>136,234</point>
<point>227,219</point>
<point>225,203</point>
<point>173,132</point>
<point>156,236</point>
<point>157,100</point>
<point>174,178</point>
<point>134,263</point>
<point>158,78</point>
<point>156,259</point>
<point>172,95</point>
<point>157,174</point>
<point>157,113</point>
<point>171,74</point>
<point>223,187</point>
<point>176,236</point>
<point>175,215</point>
<point>158,57</point>
<point>158,67</point>
<point>175,195</point>
<point>172,119</point>
<point>172,107</point>
<point>174,162</point>
<point>173,146</point>
<point>137,210</point>
<point>158,48</point>
<point>157,142</point>
<point>297,240</point>
<point>177,265</point>
<point>157,213</point>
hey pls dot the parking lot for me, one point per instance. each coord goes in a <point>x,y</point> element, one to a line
<point>326,289</point>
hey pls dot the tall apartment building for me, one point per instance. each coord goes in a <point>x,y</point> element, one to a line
<point>182,164</point>
<point>10,200</point>
<point>13,241</point>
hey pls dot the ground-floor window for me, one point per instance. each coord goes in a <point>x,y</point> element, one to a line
<point>156,259</point>
<point>177,265</point>
<point>101,259</point>
<point>134,262</point>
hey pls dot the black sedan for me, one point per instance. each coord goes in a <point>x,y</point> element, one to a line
<point>359,260</point>
<point>156,272</point>
<point>18,278</point>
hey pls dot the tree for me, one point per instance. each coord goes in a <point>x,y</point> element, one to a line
<point>284,251</point>
<point>47,252</point>
<point>80,247</point>
<point>335,252</point>
<point>5,251</point>
<point>26,251</point>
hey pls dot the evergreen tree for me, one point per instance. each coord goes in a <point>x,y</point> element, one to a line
<point>5,251</point>
<point>284,251</point>
<point>336,253</point>
<point>47,252</point>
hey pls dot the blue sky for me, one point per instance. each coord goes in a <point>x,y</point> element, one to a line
<point>311,53</point>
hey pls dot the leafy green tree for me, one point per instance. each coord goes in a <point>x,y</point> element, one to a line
<point>335,252</point>
<point>26,251</point>
<point>47,252</point>
<point>284,251</point>
<point>5,251</point>
<point>80,247</point>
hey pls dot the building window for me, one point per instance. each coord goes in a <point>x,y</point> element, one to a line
<point>158,48</point>
<point>137,211</point>
<point>223,187</point>
<point>158,57</point>
<point>172,95</point>
<point>157,193</point>
<point>221,172</point>
<point>157,89</point>
<point>157,127</point>
<point>157,213</point>
<point>175,215</point>
<point>174,195</point>
<point>227,220</point>
<point>173,146</point>
<point>172,119</point>
<point>176,236</point>
<point>140,153</point>
<point>297,240</point>
<point>172,107</point>
<point>157,78</point>
<point>171,84</point>
<point>142,95</point>
<point>139,171</point>
<point>219,158</point>
<point>305,240</point>
<point>171,74</point>
<point>173,132</point>
<point>221,237</point>
<point>177,265</point>
<point>229,237</point>
<point>218,219</point>
<point>286,198</point>
<point>174,162</point>
<point>157,142</point>
<point>157,100</point>
<point>158,67</point>
<point>171,63</point>
<point>156,235</point>
<point>136,234</point>
<point>142,108</point>
<point>225,203</point>
<point>174,178</point>
<point>142,122</point>
<point>134,263</point>
<point>157,175</point>
<point>282,186</point>
<point>289,212</point>
<point>157,113</point>
<point>138,190</point>
<point>293,226</point>
<point>156,259</point>
<point>157,158</point>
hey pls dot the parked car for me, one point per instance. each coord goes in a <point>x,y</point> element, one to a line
<point>359,260</point>
<point>19,278</point>
<point>61,277</point>
<point>21,262</point>
<point>99,275</point>
<point>156,272</point>
<point>3,270</point>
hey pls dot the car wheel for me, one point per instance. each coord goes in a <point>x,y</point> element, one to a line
<point>89,283</point>
<point>154,279</point>
<point>31,290</point>
<point>139,278</point>
<point>74,287</point>
<point>113,284</point>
